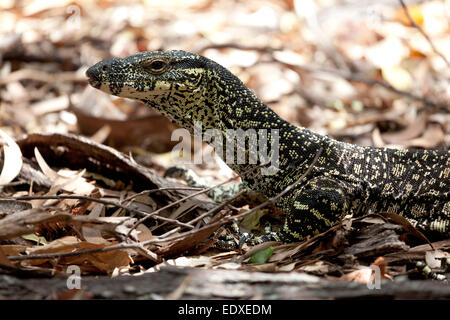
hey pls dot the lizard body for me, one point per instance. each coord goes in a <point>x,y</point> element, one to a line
<point>346,179</point>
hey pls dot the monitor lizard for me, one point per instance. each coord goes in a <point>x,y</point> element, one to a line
<point>345,179</point>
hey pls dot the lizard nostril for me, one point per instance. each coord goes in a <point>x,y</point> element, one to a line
<point>91,74</point>
<point>105,68</point>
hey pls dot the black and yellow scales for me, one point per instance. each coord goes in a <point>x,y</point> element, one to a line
<point>345,179</point>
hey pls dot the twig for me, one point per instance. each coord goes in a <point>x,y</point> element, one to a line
<point>220,206</point>
<point>147,192</point>
<point>178,217</point>
<point>186,198</point>
<point>231,218</point>
<point>415,25</point>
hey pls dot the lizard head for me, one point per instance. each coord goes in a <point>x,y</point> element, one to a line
<point>176,83</point>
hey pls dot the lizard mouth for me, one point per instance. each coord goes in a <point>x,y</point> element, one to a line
<point>93,78</point>
<point>95,83</point>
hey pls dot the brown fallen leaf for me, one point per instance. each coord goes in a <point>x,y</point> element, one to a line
<point>432,137</point>
<point>190,241</point>
<point>103,261</point>
<point>155,137</point>
<point>4,259</point>
<point>413,130</point>
<point>416,253</point>
<point>406,225</point>
<point>94,235</point>
<point>74,294</point>
<point>50,105</point>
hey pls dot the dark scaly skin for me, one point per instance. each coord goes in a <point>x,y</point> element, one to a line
<point>346,179</point>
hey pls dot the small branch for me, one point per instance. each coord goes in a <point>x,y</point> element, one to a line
<point>220,206</point>
<point>415,25</point>
<point>147,192</point>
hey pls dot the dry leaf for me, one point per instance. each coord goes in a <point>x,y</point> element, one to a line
<point>319,267</point>
<point>12,159</point>
<point>432,137</point>
<point>94,235</point>
<point>415,12</point>
<point>381,263</point>
<point>103,261</point>
<point>363,275</point>
<point>406,225</point>
<point>144,233</point>
<point>397,77</point>
<point>67,180</point>
<point>101,134</point>
<point>4,260</point>
<point>413,130</point>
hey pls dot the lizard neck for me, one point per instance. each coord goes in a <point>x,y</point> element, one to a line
<point>286,148</point>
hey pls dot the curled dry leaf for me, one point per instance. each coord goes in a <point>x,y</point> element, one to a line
<point>12,159</point>
<point>144,233</point>
<point>363,275</point>
<point>432,137</point>
<point>200,261</point>
<point>413,130</point>
<point>317,267</point>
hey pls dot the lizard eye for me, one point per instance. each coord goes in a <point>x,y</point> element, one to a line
<point>156,66</point>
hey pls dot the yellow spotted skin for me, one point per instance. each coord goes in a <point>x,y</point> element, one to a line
<point>346,179</point>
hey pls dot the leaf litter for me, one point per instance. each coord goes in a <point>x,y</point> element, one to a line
<point>380,82</point>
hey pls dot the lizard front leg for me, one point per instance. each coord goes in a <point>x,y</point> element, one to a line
<point>315,208</point>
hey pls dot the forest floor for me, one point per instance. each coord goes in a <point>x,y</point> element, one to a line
<point>80,168</point>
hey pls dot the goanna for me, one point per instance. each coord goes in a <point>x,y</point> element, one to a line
<point>346,178</point>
